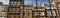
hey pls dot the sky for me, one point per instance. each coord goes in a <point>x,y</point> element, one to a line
<point>5,1</point>
<point>40,2</point>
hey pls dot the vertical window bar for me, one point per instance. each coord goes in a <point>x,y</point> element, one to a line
<point>23,13</point>
<point>8,16</point>
<point>32,10</point>
<point>19,10</point>
<point>50,9</point>
<point>28,7</point>
<point>37,8</point>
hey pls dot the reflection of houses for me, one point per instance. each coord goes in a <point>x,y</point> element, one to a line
<point>16,9</point>
<point>39,10</point>
<point>3,10</point>
<point>28,11</point>
<point>57,3</point>
<point>19,10</point>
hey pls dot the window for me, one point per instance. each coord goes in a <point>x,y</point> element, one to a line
<point>47,7</point>
<point>1,8</point>
<point>49,13</point>
<point>15,2</point>
<point>11,3</point>
<point>53,7</point>
<point>2,17</point>
<point>3,13</point>
<point>29,10</point>
<point>23,11</point>
<point>53,11</point>
<point>42,13</point>
<point>35,13</point>
<point>18,3</point>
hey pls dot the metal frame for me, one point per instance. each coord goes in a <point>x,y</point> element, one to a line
<point>50,9</point>
<point>37,8</point>
<point>8,16</point>
<point>23,13</point>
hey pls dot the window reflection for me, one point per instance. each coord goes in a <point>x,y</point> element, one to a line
<point>15,2</point>
<point>54,13</point>
<point>42,13</point>
<point>49,13</point>
<point>11,3</point>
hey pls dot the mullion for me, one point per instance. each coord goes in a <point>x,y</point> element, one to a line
<point>50,9</point>
<point>37,8</point>
<point>23,13</point>
<point>28,8</point>
<point>9,9</point>
<point>32,5</point>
